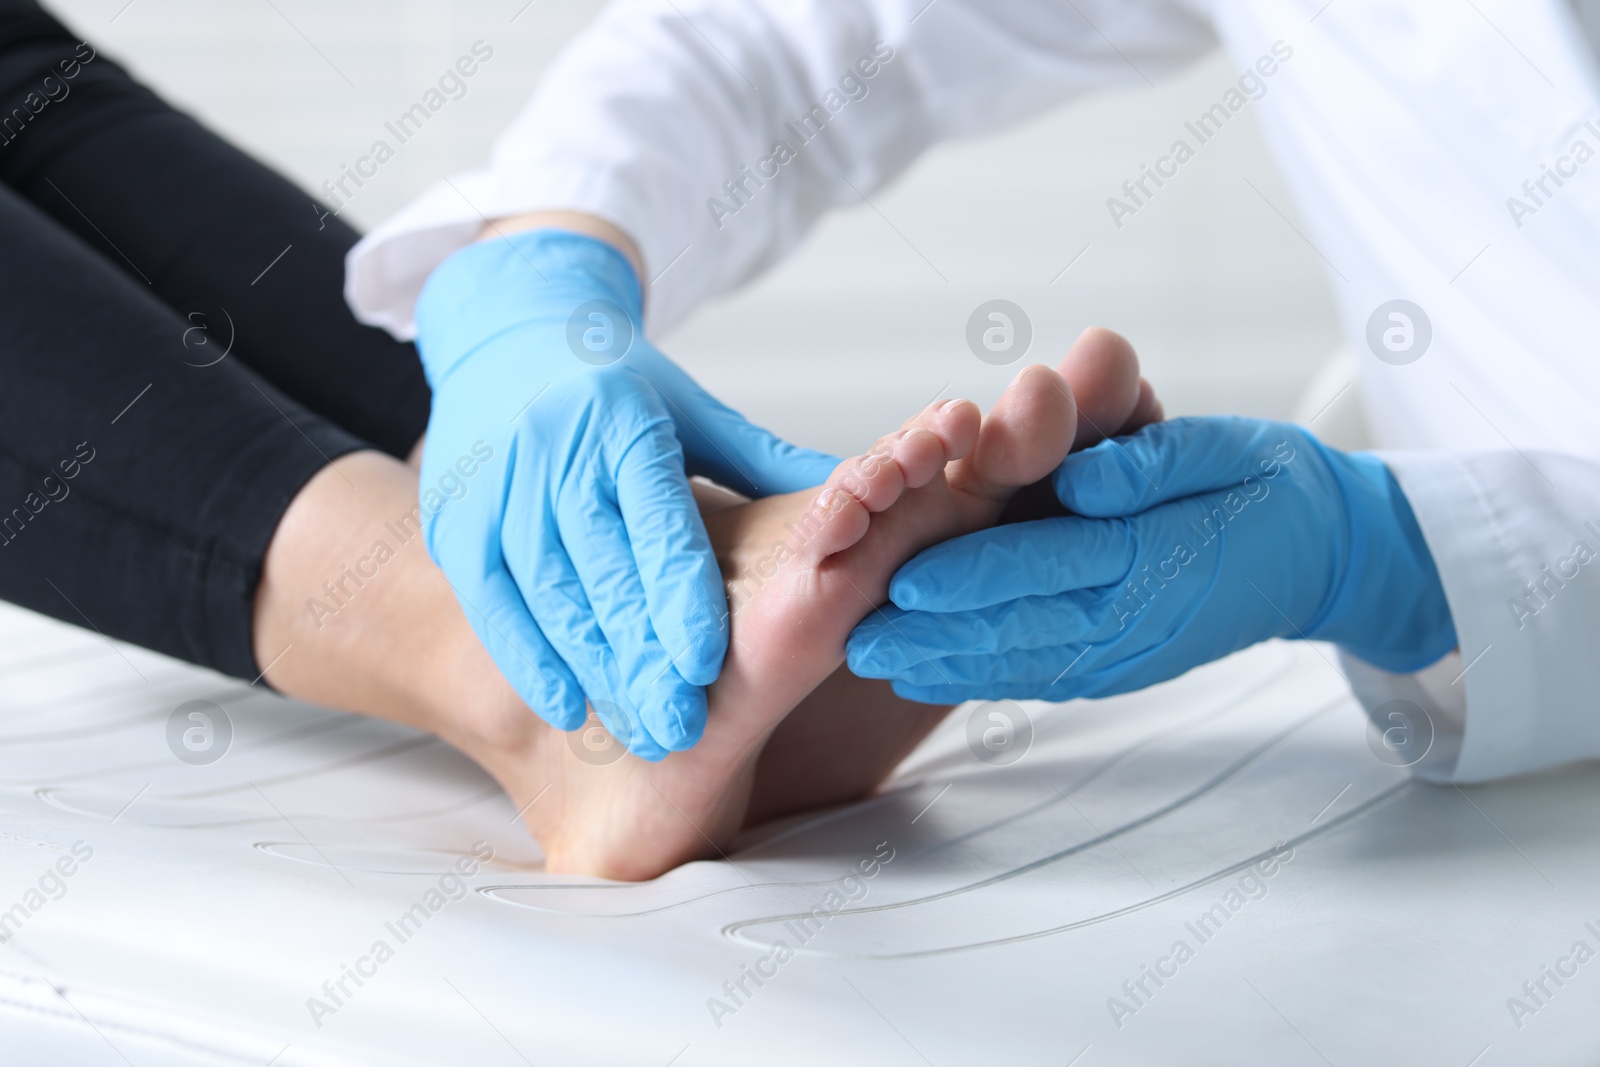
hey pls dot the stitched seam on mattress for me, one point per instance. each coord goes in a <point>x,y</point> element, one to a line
<point>74,1019</point>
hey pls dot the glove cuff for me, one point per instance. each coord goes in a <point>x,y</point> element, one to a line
<point>1389,606</point>
<point>533,276</point>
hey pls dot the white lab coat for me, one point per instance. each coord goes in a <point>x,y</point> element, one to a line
<point>1403,128</point>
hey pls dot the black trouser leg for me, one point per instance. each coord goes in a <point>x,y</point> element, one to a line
<point>142,472</point>
<point>138,492</point>
<point>210,231</point>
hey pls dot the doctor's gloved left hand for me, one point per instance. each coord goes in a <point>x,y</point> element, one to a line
<point>555,493</point>
<point>1190,539</point>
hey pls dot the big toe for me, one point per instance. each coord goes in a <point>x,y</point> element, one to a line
<point>1102,370</point>
<point>1023,438</point>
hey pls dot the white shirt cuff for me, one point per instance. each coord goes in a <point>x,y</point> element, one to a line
<point>1518,695</point>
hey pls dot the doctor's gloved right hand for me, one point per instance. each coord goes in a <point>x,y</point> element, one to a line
<point>554,489</point>
<point>1189,540</point>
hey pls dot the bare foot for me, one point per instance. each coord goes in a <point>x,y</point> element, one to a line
<point>803,570</point>
<point>848,735</point>
<point>622,817</point>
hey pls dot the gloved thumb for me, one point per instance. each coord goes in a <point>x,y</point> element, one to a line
<point>721,444</point>
<point>1171,460</point>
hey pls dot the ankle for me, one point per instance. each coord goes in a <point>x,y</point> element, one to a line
<point>346,614</point>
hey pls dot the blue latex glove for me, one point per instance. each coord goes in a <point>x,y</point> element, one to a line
<point>1197,537</point>
<point>554,493</point>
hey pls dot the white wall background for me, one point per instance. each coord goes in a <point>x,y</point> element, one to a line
<point>1225,302</point>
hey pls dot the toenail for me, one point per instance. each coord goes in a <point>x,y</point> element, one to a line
<point>950,405</point>
<point>828,500</point>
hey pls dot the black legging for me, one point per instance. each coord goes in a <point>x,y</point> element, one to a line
<point>141,478</point>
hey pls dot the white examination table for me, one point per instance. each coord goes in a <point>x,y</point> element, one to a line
<point>219,898</point>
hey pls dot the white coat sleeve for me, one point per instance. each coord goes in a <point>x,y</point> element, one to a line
<point>716,132</point>
<point>1516,537</point>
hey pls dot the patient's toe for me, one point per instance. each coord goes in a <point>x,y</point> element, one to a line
<point>1103,372</point>
<point>833,522</point>
<point>1024,437</point>
<point>1145,412</point>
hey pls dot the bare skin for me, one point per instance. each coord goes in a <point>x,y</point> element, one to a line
<point>575,221</point>
<point>627,818</point>
<point>847,736</point>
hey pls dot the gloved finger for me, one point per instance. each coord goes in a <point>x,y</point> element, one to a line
<point>569,623</point>
<point>671,710</point>
<point>934,694</point>
<point>888,642</point>
<point>1003,563</point>
<point>1169,460</point>
<point>672,556</point>
<point>549,584</point>
<point>1140,657</point>
<point>960,694</point>
<point>723,445</point>
<point>499,616</point>
<point>1041,669</point>
<point>1112,671</point>
<point>1068,672</point>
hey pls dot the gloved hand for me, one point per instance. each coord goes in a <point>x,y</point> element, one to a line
<point>1191,539</point>
<point>554,492</point>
